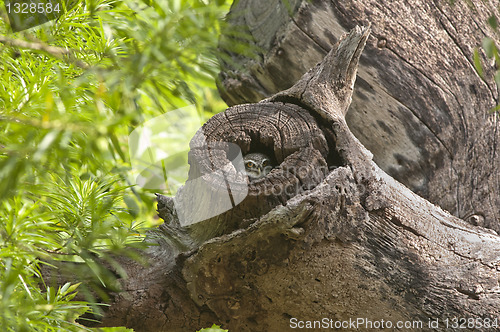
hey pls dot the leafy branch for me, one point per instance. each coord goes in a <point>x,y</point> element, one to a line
<point>57,52</point>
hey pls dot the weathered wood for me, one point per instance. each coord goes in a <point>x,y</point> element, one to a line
<point>286,132</point>
<point>390,256</point>
<point>419,106</point>
<point>358,244</point>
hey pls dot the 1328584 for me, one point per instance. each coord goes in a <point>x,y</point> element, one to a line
<point>471,323</point>
<point>32,8</point>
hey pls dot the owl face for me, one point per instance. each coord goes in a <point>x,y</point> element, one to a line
<point>257,165</point>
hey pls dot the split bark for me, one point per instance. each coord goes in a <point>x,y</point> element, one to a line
<point>349,242</point>
<point>359,245</point>
<point>419,106</point>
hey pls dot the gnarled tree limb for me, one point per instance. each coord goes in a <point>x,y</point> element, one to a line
<point>356,245</point>
<point>349,242</point>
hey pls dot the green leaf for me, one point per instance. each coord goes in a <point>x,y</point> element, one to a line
<point>214,328</point>
<point>493,22</point>
<point>116,145</point>
<point>477,63</point>
<point>489,47</point>
<point>497,78</point>
<point>64,288</point>
<point>495,109</point>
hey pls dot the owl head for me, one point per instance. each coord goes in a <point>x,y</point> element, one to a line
<point>257,165</point>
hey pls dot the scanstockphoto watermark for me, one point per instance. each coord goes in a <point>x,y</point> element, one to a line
<point>357,323</point>
<point>361,323</point>
<point>159,154</point>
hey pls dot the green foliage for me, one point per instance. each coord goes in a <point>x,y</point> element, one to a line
<point>113,329</point>
<point>490,48</point>
<point>89,214</point>
<point>71,91</point>
<point>23,305</point>
<point>214,328</point>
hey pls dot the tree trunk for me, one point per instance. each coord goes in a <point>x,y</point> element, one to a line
<point>329,238</point>
<point>419,106</point>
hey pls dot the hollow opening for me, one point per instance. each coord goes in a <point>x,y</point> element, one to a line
<point>333,159</point>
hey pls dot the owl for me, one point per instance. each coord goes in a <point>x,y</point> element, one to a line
<point>257,165</point>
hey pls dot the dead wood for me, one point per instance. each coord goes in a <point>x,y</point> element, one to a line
<point>419,106</point>
<point>357,245</point>
<point>349,243</point>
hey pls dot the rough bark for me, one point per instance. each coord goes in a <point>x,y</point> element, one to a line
<point>359,245</point>
<point>419,105</point>
<point>284,131</point>
<point>350,242</point>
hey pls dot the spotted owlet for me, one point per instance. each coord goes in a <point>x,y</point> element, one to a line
<point>257,165</point>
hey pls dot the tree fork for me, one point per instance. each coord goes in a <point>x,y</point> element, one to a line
<point>357,244</point>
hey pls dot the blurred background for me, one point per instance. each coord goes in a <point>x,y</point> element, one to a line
<point>72,90</point>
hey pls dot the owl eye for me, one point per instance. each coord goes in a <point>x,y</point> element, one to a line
<point>264,163</point>
<point>249,164</point>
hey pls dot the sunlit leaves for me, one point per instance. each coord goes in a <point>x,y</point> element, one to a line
<point>490,48</point>
<point>214,328</point>
<point>67,107</point>
<point>25,236</point>
<point>89,214</point>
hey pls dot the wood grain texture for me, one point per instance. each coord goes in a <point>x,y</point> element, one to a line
<point>419,105</point>
<point>285,132</point>
<point>350,243</point>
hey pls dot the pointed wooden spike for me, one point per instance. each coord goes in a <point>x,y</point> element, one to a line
<point>327,88</point>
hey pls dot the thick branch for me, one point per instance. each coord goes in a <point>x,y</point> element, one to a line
<point>356,245</point>
<point>328,87</point>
